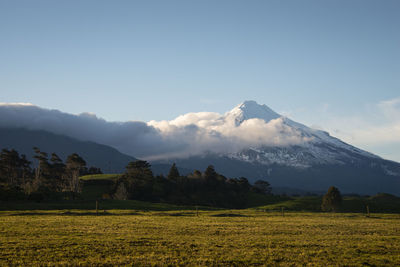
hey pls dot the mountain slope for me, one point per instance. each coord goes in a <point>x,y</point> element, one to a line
<point>314,164</point>
<point>107,158</point>
<point>368,178</point>
<point>318,146</point>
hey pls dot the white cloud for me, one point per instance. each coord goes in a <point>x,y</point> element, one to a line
<point>16,104</point>
<point>189,134</point>
<point>212,132</point>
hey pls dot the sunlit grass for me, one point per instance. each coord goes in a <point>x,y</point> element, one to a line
<point>100,177</point>
<point>220,237</point>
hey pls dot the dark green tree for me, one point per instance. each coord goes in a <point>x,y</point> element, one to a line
<point>173,173</point>
<point>210,176</point>
<point>42,169</point>
<point>138,180</point>
<point>26,168</point>
<point>26,174</point>
<point>94,170</point>
<point>210,172</point>
<point>121,192</point>
<point>331,200</point>
<point>57,172</point>
<point>14,169</point>
<point>140,169</point>
<point>263,187</point>
<point>74,166</point>
<point>9,166</point>
<point>197,174</point>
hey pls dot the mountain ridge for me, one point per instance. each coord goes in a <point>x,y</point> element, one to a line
<point>23,140</point>
<point>109,159</point>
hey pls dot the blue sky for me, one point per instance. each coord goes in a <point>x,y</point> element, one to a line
<point>329,64</point>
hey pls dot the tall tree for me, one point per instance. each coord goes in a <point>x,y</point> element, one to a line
<point>73,169</point>
<point>244,183</point>
<point>173,173</point>
<point>139,169</point>
<point>13,167</point>
<point>138,180</point>
<point>57,172</point>
<point>197,174</point>
<point>26,175</point>
<point>42,168</point>
<point>121,193</point>
<point>7,165</point>
<point>262,187</point>
<point>331,200</point>
<point>210,176</point>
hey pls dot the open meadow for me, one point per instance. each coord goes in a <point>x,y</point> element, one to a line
<point>188,237</point>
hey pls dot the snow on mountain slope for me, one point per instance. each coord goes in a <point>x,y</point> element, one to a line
<point>320,147</point>
<point>251,110</point>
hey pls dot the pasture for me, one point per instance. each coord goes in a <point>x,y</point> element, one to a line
<point>188,237</point>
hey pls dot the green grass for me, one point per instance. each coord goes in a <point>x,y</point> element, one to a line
<point>296,204</point>
<point>223,237</point>
<point>381,203</point>
<point>100,177</point>
<point>109,204</point>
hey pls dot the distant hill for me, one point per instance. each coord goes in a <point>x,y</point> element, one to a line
<point>369,177</point>
<point>107,158</point>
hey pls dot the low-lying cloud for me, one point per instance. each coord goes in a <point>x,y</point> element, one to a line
<point>213,132</point>
<point>189,134</point>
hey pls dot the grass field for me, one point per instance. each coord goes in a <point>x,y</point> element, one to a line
<point>101,177</point>
<point>219,237</point>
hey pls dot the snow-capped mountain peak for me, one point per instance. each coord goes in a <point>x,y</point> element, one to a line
<point>252,110</point>
<point>318,146</point>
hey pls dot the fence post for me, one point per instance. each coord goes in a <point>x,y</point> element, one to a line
<point>367,211</point>
<point>97,207</point>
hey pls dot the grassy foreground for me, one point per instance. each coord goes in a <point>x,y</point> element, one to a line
<point>221,237</point>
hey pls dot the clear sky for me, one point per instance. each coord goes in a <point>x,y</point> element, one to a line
<point>329,64</point>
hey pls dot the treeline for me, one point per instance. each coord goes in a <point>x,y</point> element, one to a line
<point>199,188</point>
<point>53,179</point>
<point>50,178</point>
